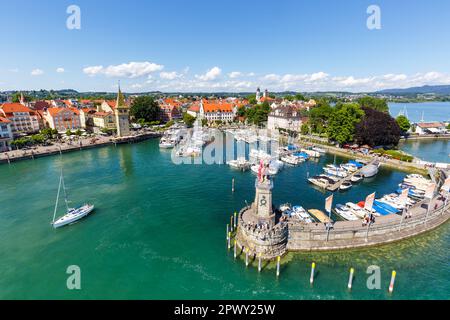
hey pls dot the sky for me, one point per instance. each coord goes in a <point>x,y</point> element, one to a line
<point>224,45</point>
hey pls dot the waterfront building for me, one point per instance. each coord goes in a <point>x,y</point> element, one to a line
<point>217,110</point>
<point>122,115</point>
<point>6,135</point>
<point>103,120</point>
<point>86,117</point>
<point>23,119</point>
<point>423,128</point>
<point>170,109</point>
<point>62,119</point>
<point>284,117</point>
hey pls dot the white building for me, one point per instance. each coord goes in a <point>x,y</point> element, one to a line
<point>284,117</point>
<point>6,135</point>
<point>431,128</point>
<point>23,119</point>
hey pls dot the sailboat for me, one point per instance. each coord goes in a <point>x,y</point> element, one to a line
<point>72,214</point>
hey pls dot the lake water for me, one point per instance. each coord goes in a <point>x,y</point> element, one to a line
<point>428,150</point>
<point>432,111</point>
<point>158,232</point>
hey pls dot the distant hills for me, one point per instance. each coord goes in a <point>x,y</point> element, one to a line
<point>438,90</point>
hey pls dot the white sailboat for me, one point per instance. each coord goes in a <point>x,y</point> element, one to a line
<point>72,214</point>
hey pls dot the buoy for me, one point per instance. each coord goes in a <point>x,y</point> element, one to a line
<point>391,285</point>
<point>313,267</point>
<point>259,262</point>
<point>229,240</point>
<point>278,266</point>
<point>350,279</point>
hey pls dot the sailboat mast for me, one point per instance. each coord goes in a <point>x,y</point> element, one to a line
<point>57,198</point>
<point>65,193</point>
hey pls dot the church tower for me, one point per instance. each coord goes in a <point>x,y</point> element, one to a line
<point>122,114</point>
<point>258,95</point>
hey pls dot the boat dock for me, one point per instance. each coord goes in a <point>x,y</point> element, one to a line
<point>334,187</point>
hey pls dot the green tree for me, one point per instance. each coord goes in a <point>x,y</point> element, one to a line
<point>319,115</point>
<point>68,132</point>
<point>16,97</point>
<point>300,97</point>
<point>342,122</point>
<point>37,139</point>
<point>204,122</point>
<point>374,103</point>
<point>403,123</point>
<point>258,114</point>
<point>78,132</point>
<point>304,129</point>
<point>145,107</point>
<point>188,119</point>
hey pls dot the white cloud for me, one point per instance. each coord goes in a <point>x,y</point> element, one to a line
<point>235,74</point>
<point>125,70</point>
<point>318,76</point>
<point>211,74</point>
<point>170,75</point>
<point>37,72</point>
<point>136,86</point>
<point>60,70</point>
<point>271,77</point>
<point>93,70</point>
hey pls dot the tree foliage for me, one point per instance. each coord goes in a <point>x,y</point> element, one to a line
<point>145,107</point>
<point>258,114</point>
<point>377,129</point>
<point>403,123</point>
<point>188,119</point>
<point>374,103</point>
<point>342,122</point>
<point>319,115</point>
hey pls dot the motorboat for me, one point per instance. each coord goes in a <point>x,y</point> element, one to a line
<point>311,153</point>
<point>165,143</point>
<point>369,170</point>
<point>320,150</point>
<point>292,160</point>
<point>345,213</point>
<point>298,212</point>
<point>357,178</point>
<point>240,163</point>
<point>349,167</point>
<point>357,210</point>
<point>345,185</point>
<point>336,172</point>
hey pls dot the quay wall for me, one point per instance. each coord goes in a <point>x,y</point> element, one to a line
<point>351,234</point>
<point>55,151</point>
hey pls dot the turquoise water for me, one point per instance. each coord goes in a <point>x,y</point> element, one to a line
<point>159,233</point>
<point>428,150</point>
<point>432,111</point>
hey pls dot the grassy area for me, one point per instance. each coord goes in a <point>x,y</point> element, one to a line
<point>395,154</point>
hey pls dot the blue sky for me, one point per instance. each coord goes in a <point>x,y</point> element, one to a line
<point>230,45</point>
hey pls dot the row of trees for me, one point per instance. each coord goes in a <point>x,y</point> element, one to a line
<point>366,121</point>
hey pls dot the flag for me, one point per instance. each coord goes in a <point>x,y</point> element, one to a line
<point>429,193</point>
<point>404,196</point>
<point>369,202</point>
<point>328,203</point>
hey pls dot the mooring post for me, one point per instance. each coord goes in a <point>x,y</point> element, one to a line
<point>350,279</point>
<point>278,266</point>
<point>235,248</point>
<point>232,185</point>
<point>367,233</point>
<point>313,267</point>
<point>231,224</point>
<point>229,240</point>
<point>391,285</point>
<point>235,219</point>
<point>259,262</point>
<point>246,257</point>
<point>9,160</point>
<point>228,231</point>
